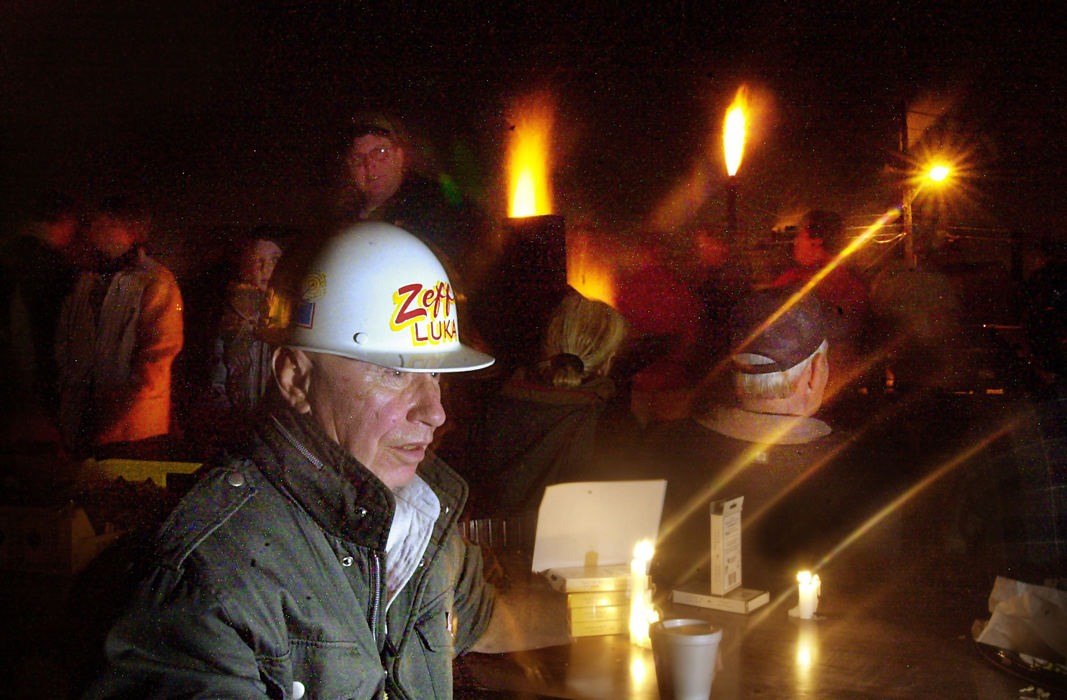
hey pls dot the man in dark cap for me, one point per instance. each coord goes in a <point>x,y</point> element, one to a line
<point>765,445</point>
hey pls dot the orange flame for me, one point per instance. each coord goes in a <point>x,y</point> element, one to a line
<point>733,133</point>
<point>589,273</point>
<point>528,157</point>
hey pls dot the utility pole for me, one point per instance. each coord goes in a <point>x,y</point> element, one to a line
<point>907,193</point>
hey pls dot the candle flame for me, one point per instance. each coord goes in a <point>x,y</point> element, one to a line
<point>644,550</point>
<point>528,157</point>
<point>804,577</point>
<point>734,132</point>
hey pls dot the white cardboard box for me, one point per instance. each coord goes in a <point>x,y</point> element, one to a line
<point>726,545</point>
<point>596,523</point>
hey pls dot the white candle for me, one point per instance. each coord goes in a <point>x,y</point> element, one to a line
<point>809,587</point>
<point>640,605</point>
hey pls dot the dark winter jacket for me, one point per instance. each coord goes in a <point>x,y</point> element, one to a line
<point>268,580</point>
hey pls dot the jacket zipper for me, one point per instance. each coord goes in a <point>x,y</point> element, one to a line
<point>375,611</point>
<point>376,597</point>
<point>297,444</point>
<point>376,602</point>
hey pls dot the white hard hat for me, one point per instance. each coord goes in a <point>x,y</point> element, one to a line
<point>377,293</point>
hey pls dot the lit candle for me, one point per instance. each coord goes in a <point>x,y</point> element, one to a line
<point>640,595</point>
<point>809,588</point>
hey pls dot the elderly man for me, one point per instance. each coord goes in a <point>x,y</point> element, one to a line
<point>325,561</point>
<point>767,447</point>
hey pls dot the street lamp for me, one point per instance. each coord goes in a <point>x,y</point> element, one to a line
<point>936,173</point>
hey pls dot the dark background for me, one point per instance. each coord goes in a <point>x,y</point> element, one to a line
<point>228,113</point>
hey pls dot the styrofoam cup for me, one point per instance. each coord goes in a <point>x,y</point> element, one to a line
<point>685,651</point>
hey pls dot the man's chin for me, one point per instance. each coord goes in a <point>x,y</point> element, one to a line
<point>399,472</point>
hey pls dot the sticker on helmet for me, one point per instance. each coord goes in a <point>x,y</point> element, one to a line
<point>427,312</point>
<point>314,288</point>
<point>305,314</point>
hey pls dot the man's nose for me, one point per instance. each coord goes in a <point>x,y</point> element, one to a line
<point>427,407</point>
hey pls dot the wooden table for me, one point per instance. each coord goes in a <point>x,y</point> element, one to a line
<point>883,631</point>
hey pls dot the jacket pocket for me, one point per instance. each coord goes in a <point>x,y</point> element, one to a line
<point>435,651</point>
<point>324,670</point>
<point>434,632</point>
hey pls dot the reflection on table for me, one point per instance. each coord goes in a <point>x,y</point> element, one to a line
<point>880,631</point>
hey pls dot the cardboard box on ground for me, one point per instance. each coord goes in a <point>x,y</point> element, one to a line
<point>61,539</point>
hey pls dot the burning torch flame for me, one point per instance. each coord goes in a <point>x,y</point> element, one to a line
<point>589,270</point>
<point>733,134</point>
<point>528,158</point>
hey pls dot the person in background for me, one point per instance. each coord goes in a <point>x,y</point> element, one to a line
<point>241,369</point>
<point>667,316</point>
<point>36,274</point>
<point>541,428</point>
<point>846,296</point>
<point>767,446</point>
<point>384,183</point>
<point>118,334</point>
<point>324,560</point>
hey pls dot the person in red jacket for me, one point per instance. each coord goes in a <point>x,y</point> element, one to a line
<point>816,244</point>
<point>118,334</point>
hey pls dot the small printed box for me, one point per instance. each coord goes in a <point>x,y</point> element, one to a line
<point>599,628</point>
<point>598,612</point>
<point>726,545</point>
<point>615,577</point>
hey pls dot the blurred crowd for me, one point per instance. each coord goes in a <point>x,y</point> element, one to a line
<point>103,354</point>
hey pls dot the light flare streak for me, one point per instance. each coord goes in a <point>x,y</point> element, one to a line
<point>933,477</point>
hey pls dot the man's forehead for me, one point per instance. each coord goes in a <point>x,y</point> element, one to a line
<point>266,248</point>
<point>332,364</point>
<point>369,142</point>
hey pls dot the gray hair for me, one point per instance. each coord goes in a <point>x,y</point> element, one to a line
<point>770,385</point>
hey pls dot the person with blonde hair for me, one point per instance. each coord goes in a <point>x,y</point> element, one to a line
<point>581,341</point>
<point>543,426</point>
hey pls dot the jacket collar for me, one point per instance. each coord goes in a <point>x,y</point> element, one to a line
<point>765,428</point>
<point>335,489</point>
<point>522,385</point>
<point>108,266</point>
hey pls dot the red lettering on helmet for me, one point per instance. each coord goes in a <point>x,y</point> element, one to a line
<point>404,315</point>
<point>442,293</point>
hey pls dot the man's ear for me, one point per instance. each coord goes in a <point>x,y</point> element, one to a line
<point>292,373</point>
<point>817,367</point>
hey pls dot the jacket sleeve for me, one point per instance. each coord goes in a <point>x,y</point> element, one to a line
<point>177,640</point>
<point>145,408</point>
<point>159,335</point>
<point>474,597</point>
